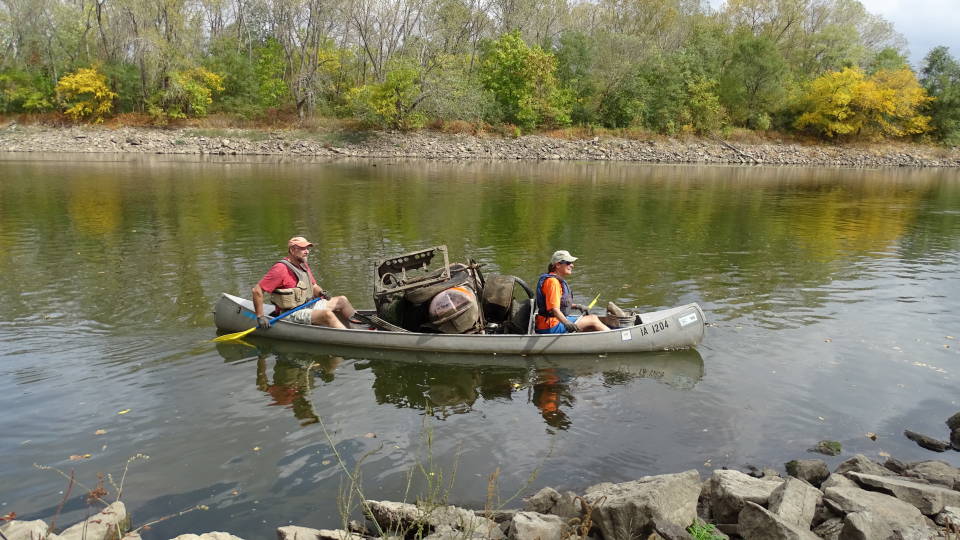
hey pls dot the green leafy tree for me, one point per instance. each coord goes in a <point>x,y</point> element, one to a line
<point>392,103</point>
<point>889,59</point>
<point>523,82</point>
<point>940,76</point>
<point>85,94</point>
<point>681,97</point>
<point>754,81</point>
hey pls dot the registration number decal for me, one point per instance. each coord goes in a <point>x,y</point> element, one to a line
<point>688,319</point>
<point>626,335</point>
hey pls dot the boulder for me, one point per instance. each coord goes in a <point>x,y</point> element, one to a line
<point>948,517</point>
<point>629,509</point>
<point>895,466</point>
<point>533,526</point>
<point>869,515</point>
<point>551,501</point>
<point>756,522</point>
<point>24,530</point>
<point>813,471</point>
<point>935,472</point>
<point>409,517</point>
<point>955,439</point>
<point>731,489</point>
<point>795,502</point>
<point>215,535</point>
<point>293,532</point>
<point>954,422</point>
<point>925,441</point>
<point>664,530</point>
<point>110,520</point>
<point>862,464</point>
<point>837,480</point>
<point>927,498</point>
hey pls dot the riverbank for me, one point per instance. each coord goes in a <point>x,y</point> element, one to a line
<point>458,147</point>
<point>861,498</point>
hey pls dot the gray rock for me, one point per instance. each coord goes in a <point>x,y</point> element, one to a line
<point>862,464</point>
<point>107,522</point>
<point>829,529</point>
<point>669,531</point>
<point>813,471</point>
<point>404,516</point>
<point>870,515</point>
<point>895,466</point>
<point>533,526</point>
<point>627,509</point>
<point>935,472</point>
<point>837,480</point>
<point>948,517</point>
<point>756,522</point>
<point>954,422</point>
<point>293,532</point>
<point>24,530</point>
<point>731,489</point>
<point>927,498</point>
<point>551,501</point>
<point>927,442</point>
<point>955,439</point>
<point>215,535</point>
<point>795,501</point>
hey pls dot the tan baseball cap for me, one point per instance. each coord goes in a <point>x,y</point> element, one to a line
<point>299,241</point>
<point>562,255</point>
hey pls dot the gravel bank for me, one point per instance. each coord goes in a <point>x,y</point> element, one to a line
<point>459,147</point>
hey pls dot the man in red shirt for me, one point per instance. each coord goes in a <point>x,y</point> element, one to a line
<point>290,283</point>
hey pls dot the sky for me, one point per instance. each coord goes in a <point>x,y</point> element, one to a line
<point>925,23</point>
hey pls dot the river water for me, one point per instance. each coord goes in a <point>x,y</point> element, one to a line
<point>831,295</point>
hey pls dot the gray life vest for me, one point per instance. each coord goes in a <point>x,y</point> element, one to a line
<point>287,299</point>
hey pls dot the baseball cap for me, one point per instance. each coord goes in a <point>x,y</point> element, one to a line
<point>299,241</point>
<point>562,255</point>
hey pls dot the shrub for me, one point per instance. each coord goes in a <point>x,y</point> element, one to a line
<point>186,93</point>
<point>23,92</point>
<point>848,104</point>
<point>85,94</point>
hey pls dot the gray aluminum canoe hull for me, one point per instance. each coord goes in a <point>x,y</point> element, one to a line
<point>675,328</point>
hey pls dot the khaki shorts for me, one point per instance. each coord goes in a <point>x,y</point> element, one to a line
<point>304,315</point>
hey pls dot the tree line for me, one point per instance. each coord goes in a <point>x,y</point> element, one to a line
<point>823,67</point>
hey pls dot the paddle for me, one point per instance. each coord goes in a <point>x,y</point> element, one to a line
<point>238,335</point>
<point>595,298</point>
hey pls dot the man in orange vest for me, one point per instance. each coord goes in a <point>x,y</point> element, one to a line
<point>555,300</point>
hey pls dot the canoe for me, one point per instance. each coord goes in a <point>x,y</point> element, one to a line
<point>674,328</point>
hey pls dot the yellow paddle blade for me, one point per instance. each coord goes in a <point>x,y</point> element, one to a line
<point>595,298</point>
<point>231,337</point>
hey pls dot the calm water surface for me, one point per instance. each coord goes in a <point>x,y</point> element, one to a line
<point>832,299</point>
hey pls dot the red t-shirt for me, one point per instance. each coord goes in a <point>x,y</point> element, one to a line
<point>280,276</point>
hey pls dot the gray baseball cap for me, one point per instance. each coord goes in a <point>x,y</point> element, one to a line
<point>562,255</point>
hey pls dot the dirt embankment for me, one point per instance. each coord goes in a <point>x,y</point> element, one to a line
<point>459,147</point>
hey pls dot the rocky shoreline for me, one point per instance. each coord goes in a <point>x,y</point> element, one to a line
<point>860,499</point>
<point>460,147</point>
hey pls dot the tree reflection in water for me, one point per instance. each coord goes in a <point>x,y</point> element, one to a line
<point>446,385</point>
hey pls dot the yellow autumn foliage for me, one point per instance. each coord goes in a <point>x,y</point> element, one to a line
<point>85,94</point>
<point>850,104</point>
